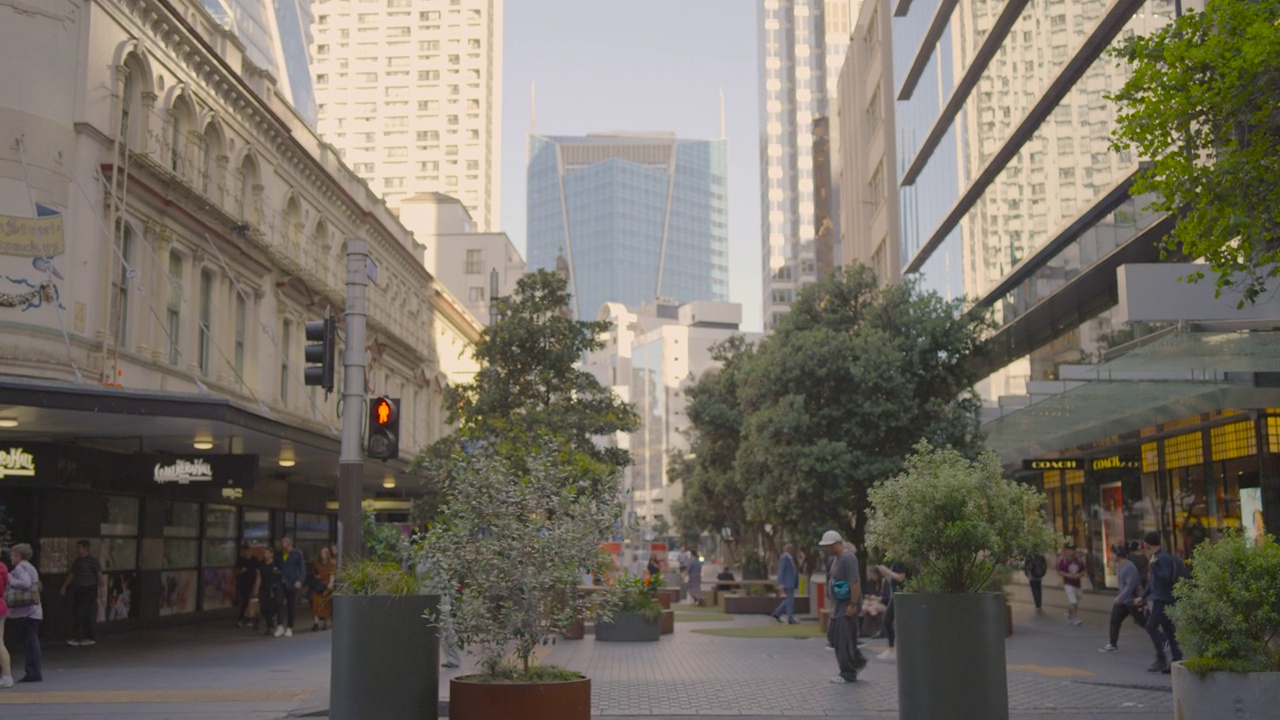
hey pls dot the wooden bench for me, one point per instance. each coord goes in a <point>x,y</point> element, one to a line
<point>715,596</point>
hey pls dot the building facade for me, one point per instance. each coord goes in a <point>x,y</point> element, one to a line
<point>636,216</point>
<point>410,92</point>
<point>475,266</point>
<point>170,225</point>
<point>650,354</point>
<point>802,46</point>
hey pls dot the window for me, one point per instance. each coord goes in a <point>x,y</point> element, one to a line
<point>221,528</point>
<point>286,332</point>
<point>174,310</point>
<point>206,318</point>
<point>475,262</point>
<point>473,164</point>
<point>120,289</point>
<point>428,75</point>
<point>242,311</point>
<point>428,105</point>
<point>876,185</point>
<point>476,294</point>
<point>428,166</point>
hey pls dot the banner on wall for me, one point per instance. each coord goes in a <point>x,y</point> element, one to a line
<point>116,591</point>
<point>1251,515</point>
<point>38,237</point>
<point>177,592</point>
<point>219,588</point>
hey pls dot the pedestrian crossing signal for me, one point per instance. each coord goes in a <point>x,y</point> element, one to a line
<point>384,429</point>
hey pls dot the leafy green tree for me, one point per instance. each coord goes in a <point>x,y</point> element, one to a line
<point>530,393</point>
<point>1202,103</point>
<point>834,400</point>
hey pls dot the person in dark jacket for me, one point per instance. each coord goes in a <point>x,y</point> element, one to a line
<point>246,577</point>
<point>1125,604</point>
<point>1162,574</point>
<point>82,580</point>
<point>293,568</point>
<point>270,586</point>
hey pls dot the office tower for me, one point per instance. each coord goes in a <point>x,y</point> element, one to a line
<point>410,92</point>
<point>637,217</point>
<point>277,41</point>
<point>802,46</point>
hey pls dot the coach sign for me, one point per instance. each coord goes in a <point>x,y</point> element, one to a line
<point>1053,464</point>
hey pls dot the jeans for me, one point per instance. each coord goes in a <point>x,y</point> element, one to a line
<point>291,604</point>
<point>1119,612</point>
<point>29,629</point>
<point>1161,630</point>
<point>84,612</point>
<point>1036,593</point>
<point>788,605</point>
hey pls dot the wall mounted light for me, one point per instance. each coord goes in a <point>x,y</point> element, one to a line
<point>287,462</point>
<point>388,482</point>
<point>202,444</point>
<point>8,422</point>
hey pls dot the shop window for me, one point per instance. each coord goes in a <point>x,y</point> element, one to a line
<point>1273,435</point>
<point>310,534</point>
<point>1150,458</point>
<point>221,528</point>
<point>1183,451</point>
<point>118,548</point>
<point>181,530</point>
<point>257,526</point>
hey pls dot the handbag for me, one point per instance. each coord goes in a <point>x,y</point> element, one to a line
<point>841,590</point>
<point>14,598</point>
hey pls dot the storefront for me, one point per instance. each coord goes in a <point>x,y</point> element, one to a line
<point>1190,480</point>
<point>166,528</point>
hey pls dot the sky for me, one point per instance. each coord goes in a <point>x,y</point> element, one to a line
<point>655,65</point>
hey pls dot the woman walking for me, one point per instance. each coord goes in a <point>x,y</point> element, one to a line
<point>6,671</point>
<point>23,598</point>
<point>321,604</point>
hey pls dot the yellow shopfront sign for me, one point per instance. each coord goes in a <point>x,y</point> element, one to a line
<point>31,237</point>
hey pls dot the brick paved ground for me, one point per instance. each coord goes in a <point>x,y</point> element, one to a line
<point>1056,673</point>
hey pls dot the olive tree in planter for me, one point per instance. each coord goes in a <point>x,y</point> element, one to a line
<point>384,662</point>
<point>515,545</point>
<point>959,521</point>
<point>1227,616</point>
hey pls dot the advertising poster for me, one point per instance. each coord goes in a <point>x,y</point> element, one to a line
<point>1251,514</point>
<point>115,596</point>
<point>177,592</point>
<point>1112,526</point>
<point>219,588</point>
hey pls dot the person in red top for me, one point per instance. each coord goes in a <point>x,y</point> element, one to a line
<point>1071,569</point>
<point>6,671</point>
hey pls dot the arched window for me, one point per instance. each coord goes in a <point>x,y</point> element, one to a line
<point>212,151</point>
<point>206,320</point>
<point>181,117</point>
<point>174,310</point>
<point>248,180</point>
<point>119,309</point>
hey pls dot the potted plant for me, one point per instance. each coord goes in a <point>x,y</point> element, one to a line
<point>515,546</point>
<point>1227,616</point>
<point>635,612</point>
<point>385,648</point>
<point>960,522</point>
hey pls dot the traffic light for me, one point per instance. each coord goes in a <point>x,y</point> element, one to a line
<point>319,357</point>
<point>384,428</point>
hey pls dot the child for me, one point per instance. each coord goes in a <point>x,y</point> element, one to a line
<point>270,590</point>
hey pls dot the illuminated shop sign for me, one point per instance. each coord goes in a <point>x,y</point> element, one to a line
<point>1115,462</point>
<point>17,462</point>
<point>184,471</point>
<point>1053,464</point>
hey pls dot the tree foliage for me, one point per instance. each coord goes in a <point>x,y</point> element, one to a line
<point>958,520</point>
<point>1203,102</point>
<point>530,393</point>
<point>794,431</point>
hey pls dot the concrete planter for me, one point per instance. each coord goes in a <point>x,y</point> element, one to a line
<point>1224,694</point>
<point>471,700</point>
<point>951,659</point>
<point>628,627</point>
<point>385,662</point>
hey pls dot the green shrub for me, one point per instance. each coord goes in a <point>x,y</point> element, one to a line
<point>1228,611</point>
<point>638,595</point>
<point>373,577</point>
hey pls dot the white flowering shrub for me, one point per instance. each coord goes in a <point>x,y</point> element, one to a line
<point>958,520</point>
<point>511,550</point>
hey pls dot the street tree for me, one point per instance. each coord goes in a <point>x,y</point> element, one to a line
<point>531,392</point>
<point>832,402</point>
<point>1203,103</point>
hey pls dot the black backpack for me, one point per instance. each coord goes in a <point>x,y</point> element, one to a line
<point>1037,567</point>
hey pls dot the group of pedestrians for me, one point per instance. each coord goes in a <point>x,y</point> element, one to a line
<point>270,583</point>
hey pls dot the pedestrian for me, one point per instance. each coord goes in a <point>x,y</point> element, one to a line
<point>1035,567</point>
<point>726,573</point>
<point>25,610</point>
<point>6,669</point>
<point>1071,569</point>
<point>82,580</point>
<point>844,587</point>
<point>788,581</point>
<point>323,571</point>
<point>270,588</point>
<point>1127,598</point>
<point>246,577</point>
<point>897,573</point>
<point>1163,571</point>
<point>292,570</point>
<point>653,568</point>
<point>695,578</point>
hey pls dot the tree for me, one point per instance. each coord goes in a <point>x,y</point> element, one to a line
<point>530,393</point>
<point>836,398</point>
<point>1204,103</point>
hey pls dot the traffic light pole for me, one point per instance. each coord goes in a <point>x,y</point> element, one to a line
<point>351,460</point>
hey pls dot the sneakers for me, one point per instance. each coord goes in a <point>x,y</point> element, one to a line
<point>73,643</point>
<point>841,680</point>
<point>449,664</point>
<point>279,631</point>
<point>6,681</point>
<point>1108,648</point>
<point>778,619</point>
<point>288,632</point>
<point>88,642</point>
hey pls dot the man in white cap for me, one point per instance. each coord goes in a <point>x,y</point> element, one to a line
<point>844,588</point>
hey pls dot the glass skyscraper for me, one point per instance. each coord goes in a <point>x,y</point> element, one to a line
<point>277,38</point>
<point>636,216</point>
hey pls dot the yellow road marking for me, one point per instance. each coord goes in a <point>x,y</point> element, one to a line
<point>1052,671</point>
<point>85,697</point>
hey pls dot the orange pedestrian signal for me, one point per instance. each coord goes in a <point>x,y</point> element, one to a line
<point>384,429</point>
<point>383,411</point>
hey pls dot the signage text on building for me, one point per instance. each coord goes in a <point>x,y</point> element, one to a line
<point>184,471</point>
<point>17,462</point>
<point>1053,464</point>
<point>1115,462</point>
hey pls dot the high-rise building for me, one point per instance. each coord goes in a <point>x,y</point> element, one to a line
<point>410,92</point>
<point>277,41</point>
<point>802,46</point>
<point>637,217</point>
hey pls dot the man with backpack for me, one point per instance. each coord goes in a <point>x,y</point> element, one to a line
<point>1164,572</point>
<point>1035,567</point>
